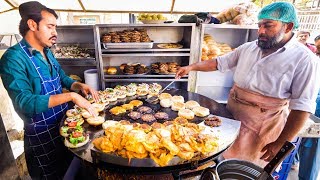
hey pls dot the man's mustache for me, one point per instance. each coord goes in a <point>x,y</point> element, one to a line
<point>53,37</point>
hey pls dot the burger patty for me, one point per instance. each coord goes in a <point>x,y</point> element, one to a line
<point>144,110</point>
<point>213,121</point>
<point>148,118</point>
<point>161,116</point>
<point>134,115</point>
<point>167,123</point>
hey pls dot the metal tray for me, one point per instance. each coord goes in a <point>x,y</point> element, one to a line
<point>129,45</point>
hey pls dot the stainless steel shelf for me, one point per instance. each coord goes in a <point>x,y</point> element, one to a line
<point>142,76</point>
<point>145,80</point>
<point>145,54</point>
<point>77,61</point>
<point>155,48</point>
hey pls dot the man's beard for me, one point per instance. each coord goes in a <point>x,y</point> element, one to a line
<point>271,42</point>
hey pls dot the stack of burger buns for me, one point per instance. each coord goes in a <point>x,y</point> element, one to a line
<point>212,49</point>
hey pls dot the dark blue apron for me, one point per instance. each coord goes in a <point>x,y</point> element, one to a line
<point>43,142</point>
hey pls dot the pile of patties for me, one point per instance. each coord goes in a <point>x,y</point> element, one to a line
<point>126,36</point>
<point>160,142</point>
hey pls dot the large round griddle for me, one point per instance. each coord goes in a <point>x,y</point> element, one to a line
<point>111,161</point>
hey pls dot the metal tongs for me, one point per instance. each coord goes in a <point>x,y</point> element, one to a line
<point>156,97</point>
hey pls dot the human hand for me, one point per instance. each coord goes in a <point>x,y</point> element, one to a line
<point>270,150</point>
<point>83,103</point>
<point>86,90</point>
<point>182,71</point>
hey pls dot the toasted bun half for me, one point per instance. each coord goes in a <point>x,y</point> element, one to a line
<point>201,111</point>
<point>166,103</point>
<point>95,121</point>
<point>165,96</point>
<point>98,106</point>
<point>177,99</point>
<point>186,113</point>
<point>176,106</point>
<point>192,104</point>
<point>109,123</point>
<point>72,112</point>
<point>70,145</point>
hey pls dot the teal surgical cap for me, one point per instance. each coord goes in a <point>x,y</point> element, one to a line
<point>280,11</point>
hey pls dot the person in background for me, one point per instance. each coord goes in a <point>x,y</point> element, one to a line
<point>309,150</point>
<point>303,37</point>
<point>271,75</point>
<point>317,44</point>
<point>34,81</point>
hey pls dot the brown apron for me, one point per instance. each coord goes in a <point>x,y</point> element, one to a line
<point>262,120</point>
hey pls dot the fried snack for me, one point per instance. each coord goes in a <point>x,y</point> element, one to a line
<point>159,142</point>
<point>117,110</point>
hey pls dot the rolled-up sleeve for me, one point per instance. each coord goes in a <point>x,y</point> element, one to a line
<point>20,88</point>
<point>305,87</point>
<point>229,60</point>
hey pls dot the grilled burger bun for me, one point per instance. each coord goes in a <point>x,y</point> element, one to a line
<point>165,96</point>
<point>176,106</point>
<point>68,144</point>
<point>186,113</point>
<point>192,104</point>
<point>201,111</point>
<point>177,99</point>
<point>95,121</point>
<point>166,103</point>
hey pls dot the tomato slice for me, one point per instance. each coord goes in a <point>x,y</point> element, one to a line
<point>76,134</point>
<point>72,124</point>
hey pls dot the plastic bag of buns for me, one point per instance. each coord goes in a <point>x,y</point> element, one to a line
<point>243,19</point>
<point>229,14</point>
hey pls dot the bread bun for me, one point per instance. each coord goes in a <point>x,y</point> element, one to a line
<point>201,111</point>
<point>176,106</point>
<point>72,112</point>
<point>86,113</point>
<point>98,106</point>
<point>186,113</point>
<point>96,121</point>
<point>131,92</point>
<point>177,99</point>
<point>192,104</point>
<point>112,70</point>
<point>165,96</point>
<point>70,145</point>
<point>166,103</point>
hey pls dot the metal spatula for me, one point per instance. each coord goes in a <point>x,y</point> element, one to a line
<point>156,97</point>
